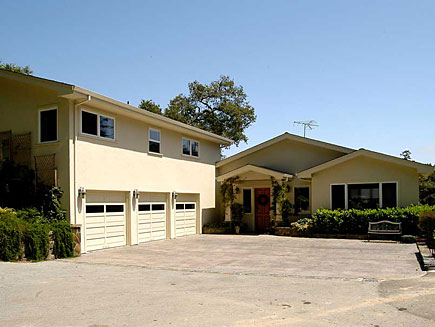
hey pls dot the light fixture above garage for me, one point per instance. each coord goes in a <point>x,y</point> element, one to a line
<point>135,194</point>
<point>82,192</point>
<point>174,195</point>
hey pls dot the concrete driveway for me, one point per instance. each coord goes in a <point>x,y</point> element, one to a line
<point>223,281</point>
<point>269,255</point>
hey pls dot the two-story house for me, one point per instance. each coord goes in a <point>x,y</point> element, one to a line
<point>128,175</point>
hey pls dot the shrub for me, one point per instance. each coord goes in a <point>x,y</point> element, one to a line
<point>354,221</point>
<point>237,211</point>
<point>50,204</point>
<point>11,234</point>
<point>303,226</point>
<point>27,229</point>
<point>36,241</point>
<point>426,223</point>
<point>63,240</point>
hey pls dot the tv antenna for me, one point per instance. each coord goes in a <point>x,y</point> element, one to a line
<point>310,124</point>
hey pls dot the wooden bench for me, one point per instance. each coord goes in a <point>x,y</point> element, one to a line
<point>384,227</point>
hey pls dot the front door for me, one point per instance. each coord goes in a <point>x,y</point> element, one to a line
<point>262,209</point>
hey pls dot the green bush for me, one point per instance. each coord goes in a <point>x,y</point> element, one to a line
<point>426,223</point>
<point>28,229</point>
<point>354,221</point>
<point>11,235</point>
<point>63,240</point>
<point>237,211</point>
<point>36,241</point>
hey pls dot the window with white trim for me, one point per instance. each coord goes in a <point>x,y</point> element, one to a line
<point>364,195</point>
<point>98,125</point>
<point>154,141</point>
<point>190,148</point>
<point>48,125</point>
<point>247,200</point>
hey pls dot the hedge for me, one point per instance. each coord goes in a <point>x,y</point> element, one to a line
<point>354,221</point>
<point>26,233</point>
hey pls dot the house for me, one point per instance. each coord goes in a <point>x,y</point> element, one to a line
<point>318,175</point>
<point>128,175</point>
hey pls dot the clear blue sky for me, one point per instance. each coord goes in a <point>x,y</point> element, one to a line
<point>365,70</point>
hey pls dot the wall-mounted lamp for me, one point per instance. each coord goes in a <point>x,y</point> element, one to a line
<point>135,194</point>
<point>174,195</point>
<point>82,192</point>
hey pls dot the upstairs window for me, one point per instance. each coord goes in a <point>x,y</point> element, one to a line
<point>190,148</point>
<point>98,125</point>
<point>154,141</point>
<point>48,125</point>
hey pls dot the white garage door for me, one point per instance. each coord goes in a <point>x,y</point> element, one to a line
<point>151,221</point>
<point>105,221</point>
<point>185,218</point>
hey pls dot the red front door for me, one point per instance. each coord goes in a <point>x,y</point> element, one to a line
<point>262,209</point>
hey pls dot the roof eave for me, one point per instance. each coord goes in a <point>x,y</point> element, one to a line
<point>123,108</point>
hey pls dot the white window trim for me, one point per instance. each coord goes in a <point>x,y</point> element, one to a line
<point>309,198</point>
<point>98,136</point>
<point>252,200</point>
<point>57,125</point>
<point>149,140</point>
<point>190,155</point>
<point>346,197</point>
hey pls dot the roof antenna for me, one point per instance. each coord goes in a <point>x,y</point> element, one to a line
<point>310,124</point>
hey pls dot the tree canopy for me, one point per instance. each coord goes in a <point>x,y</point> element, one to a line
<point>220,107</point>
<point>16,69</point>
<point>427,189</point>
<point>406,154</point>
<point>150,106</point>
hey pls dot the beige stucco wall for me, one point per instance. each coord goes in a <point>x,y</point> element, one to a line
<point>125,164</point>
<point>19,106</point>
<point>286,156</point>
<point>364,169</point>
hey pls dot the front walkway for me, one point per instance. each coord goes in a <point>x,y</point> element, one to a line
<point>269,255</point>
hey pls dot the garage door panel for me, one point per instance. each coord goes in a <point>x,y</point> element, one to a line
<point>152,218</point>
<point>105,220</point>
<point>185,217</point>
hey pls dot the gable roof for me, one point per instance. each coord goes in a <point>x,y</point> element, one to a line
<point>248,168</point>
<point>279,138</point>
<point>421,168</point>
<point>79,94</point>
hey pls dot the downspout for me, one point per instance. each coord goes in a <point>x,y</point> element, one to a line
<point>89,98</point>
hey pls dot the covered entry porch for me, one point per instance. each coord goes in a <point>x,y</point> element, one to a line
<point>253,188</point>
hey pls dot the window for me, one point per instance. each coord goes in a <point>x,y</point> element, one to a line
<point>190,148</point>
<point>115,208</point>
<point>95,208</point>
<point>338,197</point>
<point>158,207</point>
<point>363,196</point>
<point>144,207</point>
<point>302,199</point>
<point>247,200</point>
<point>154,141</point>
<point>48,125</point>
<point>98,125</point>
<point>189,206</point>
<point>389,195</point>
<point>179,206</point>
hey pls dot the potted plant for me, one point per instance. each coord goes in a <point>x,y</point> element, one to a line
<point>237,211</point>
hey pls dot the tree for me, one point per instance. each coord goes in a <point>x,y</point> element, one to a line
<point>427,189</point>
<point>406,154</point>
<point>220,107</point>
<point>16,69</point>
<point>150,106</point>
